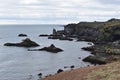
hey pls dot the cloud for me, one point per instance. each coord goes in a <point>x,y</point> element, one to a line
<point>57,11</point>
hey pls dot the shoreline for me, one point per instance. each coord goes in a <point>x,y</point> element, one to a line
<point>106,48</point>
<point>100,72</point>
<point>72,74</point>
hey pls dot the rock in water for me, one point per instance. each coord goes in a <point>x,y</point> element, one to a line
<point>59,71</point>
<point>22,35</point>
<point>51,48</point>
<point>25,43</point>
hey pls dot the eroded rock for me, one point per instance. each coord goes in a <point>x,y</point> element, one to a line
<point>25,43</point>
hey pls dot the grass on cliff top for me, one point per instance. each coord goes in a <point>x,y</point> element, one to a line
<point>106,72</point>
<point>100,24</point>
<point>111,24</point>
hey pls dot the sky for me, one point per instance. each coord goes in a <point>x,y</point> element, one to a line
<point>57,11</point>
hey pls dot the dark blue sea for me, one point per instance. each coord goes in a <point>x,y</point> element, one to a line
<point>17,63</point>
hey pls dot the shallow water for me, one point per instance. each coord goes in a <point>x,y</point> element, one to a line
<point>17,63</point>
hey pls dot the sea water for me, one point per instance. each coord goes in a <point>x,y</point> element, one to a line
<point>17,63</point>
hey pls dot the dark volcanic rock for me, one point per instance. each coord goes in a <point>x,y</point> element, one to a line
<point>51,48</point>
<point>95,31</point>
<point>25,43</point>
<point>59,71</point>
<point>89,48</point>
<point>22,35</point>
<point>40,75</point>
<point>105,36</point>
<point>72,66</point>
<point>60,37</point>
<point>95,59</point>
<point>44,35</point>
<point>65,38</point>
<point>54,36</point>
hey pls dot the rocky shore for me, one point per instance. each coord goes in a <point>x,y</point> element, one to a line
<point>102,72</point>
<point>106,49</point>
<point>104,35</point>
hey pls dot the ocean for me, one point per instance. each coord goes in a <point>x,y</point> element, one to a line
<point>17,63</point>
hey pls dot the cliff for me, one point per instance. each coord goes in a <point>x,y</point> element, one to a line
<point>106,37</point>
<point>99,31</point>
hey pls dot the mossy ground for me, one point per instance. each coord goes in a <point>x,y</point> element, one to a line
<point>106,72</point>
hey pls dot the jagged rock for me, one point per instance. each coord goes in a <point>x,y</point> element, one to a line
<point>54,32</point>
<point>51,48</point>
<point>25,43</point>
<point>92,31</point>
<point>22,35</point>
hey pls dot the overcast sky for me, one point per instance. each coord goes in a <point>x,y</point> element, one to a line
<point>57,11</point>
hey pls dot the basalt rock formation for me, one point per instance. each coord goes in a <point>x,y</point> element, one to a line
<point>25,43</point>
<point>50,48</point>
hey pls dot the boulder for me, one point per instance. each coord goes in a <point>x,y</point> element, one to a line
<point>59,71</point>
<point>25,43</point>
<point>72,66</point>
<point>40,75</point>
<point>95,59</point>
<point>22,35</point>
<point>91,48</point>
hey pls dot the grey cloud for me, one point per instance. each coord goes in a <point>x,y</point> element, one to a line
<point>113,2</point>
<point>58,10</point>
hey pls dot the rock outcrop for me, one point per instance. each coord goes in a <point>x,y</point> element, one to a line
<point>60,34</point>
<point>25,43</point>
<point>51,48</point>
<point>95,59</point>
<point>95,31</point>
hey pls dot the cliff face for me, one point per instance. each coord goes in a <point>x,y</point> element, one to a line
<point>100,31</point>
<point>70,29</point>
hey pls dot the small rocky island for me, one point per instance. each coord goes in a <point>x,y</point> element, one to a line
<point>22,35</point>
<point>25,43</point>
<point>50,48</point>
<point>57,35</point>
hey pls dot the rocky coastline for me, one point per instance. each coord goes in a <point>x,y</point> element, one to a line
<point>106,49</point>
<point>104,35</point>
